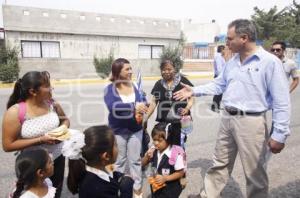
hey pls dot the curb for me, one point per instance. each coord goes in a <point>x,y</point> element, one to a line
<point>102,81</point>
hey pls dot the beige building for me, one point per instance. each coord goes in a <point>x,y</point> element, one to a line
<point>65,42</point>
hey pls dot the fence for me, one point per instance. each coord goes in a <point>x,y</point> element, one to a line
<point>200,58</point>
<point>193,52</point>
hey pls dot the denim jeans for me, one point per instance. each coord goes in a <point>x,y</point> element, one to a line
<point>130,146</point>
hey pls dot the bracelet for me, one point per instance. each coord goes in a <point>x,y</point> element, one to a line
<point>165,178</point>
<point>40,140</point>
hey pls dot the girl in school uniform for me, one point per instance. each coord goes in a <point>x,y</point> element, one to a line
<point>90,154</point>
<point>168,160</point>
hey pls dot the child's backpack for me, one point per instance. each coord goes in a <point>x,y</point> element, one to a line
<point>175,151</point>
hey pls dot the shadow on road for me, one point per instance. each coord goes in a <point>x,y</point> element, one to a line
<point>290,190</point>
<point>231,189</point>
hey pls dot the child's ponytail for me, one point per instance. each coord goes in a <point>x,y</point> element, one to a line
<point>164,130</point>
<point>76,174</point>
<point>85,148</point>
<point>19,189</point>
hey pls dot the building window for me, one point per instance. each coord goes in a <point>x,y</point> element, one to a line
<point>150,51</point>
<point>82,17</point>
<point>26,13</point>
<point>45,14</point>
<point>63,15</point>
<point>156,51</point>
<point>40,49</point>
<point>1,33</point>
<point>145,51</point>
<point>31,49</point>
<point>50,50</point>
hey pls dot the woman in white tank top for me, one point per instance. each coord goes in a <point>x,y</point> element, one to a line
<point>42,114</point>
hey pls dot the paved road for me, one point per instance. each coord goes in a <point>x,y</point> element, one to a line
<point>84,105</point>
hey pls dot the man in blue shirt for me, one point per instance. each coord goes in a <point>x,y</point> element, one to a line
<point>252,82</point>
<point>219,62</point>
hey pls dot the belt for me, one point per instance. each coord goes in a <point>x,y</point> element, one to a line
<point>235,111</point>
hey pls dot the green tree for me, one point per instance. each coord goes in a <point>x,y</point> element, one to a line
<point>9,64</point>
<point>278,24</point>
<point>103,65</point>
<point>295,11</point>
<point>174,53</point>
<point>266,22</point>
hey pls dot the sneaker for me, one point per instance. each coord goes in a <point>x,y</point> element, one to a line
<point>215,110</point>
<point>138,196</point>
<point>194,196</point>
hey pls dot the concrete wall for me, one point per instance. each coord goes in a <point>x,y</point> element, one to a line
<point>198,65</point>
<point>82,68</point>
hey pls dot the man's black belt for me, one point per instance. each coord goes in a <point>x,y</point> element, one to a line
<point>235,111</point>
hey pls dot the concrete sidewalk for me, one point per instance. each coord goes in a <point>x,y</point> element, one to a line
<point>190,75</point>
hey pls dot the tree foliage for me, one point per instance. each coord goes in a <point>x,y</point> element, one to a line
<point>174,53</point>
<point>277,24</point>
<point>103,65</point>
<point>9,64</point>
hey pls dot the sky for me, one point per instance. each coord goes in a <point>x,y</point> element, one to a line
<point>223,11</point>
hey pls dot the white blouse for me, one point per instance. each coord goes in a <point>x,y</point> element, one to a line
<point>38,126</point>
<point>128,99</point>
<point>179,164</point>
<point>50,193</point>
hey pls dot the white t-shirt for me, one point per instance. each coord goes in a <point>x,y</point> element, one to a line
<point>128,99</point>
<point>50,193</point>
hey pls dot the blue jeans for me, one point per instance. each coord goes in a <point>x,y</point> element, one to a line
<point>130,146</point>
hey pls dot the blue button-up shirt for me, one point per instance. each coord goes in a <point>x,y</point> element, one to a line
<point>219,63</point>
<point>256,85</point>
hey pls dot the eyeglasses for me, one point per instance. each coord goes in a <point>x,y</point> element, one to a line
<point>276,50</point>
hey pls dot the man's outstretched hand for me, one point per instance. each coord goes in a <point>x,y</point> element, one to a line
<point>183,94</point>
